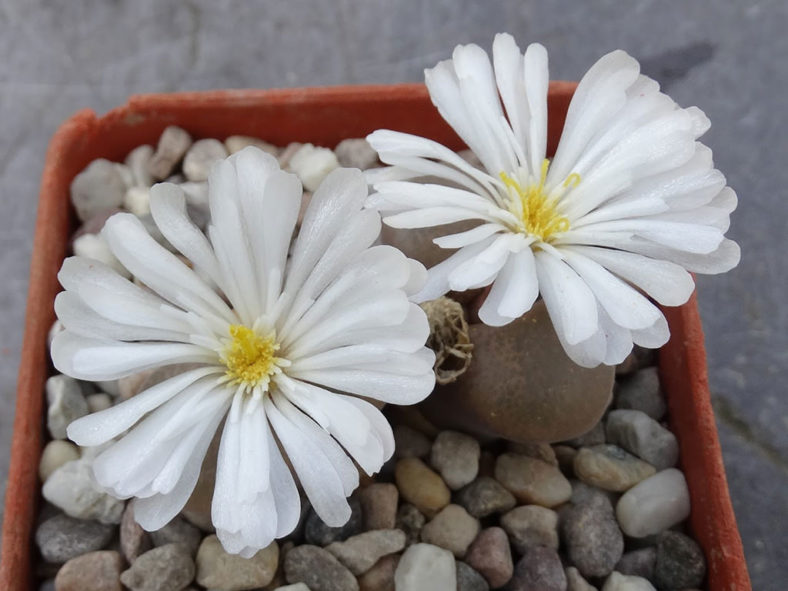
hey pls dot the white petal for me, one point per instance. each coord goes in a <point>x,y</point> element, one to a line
<point>95,359</point>
<point>570,303</point>
<point>100,427</point>
<point>653,337</point>
<point>482,269</point>
<point>513,292</point>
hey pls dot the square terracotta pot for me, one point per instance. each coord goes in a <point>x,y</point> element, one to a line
<point>322,116</point>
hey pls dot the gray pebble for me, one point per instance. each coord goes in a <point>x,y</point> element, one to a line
<point>641,435</point>
<point>167,568</point>
<point>595,436</point>
<point>178,531</point>
<point>583,493</point>
<point>593,540</point>
<point>360,552</point>
<point>485,496</point>
<point>201,157</point>
<point>456,456</point>
<point>320,534</point>
<point>66,404</point>
<point>72,488</point>
<point>576,582</point>
<point>411,521</point>
<point>639,563</point>
<point>356,153</point>
<point>680,563</point>
<point>62,538</point>
<point>97,188</point>
<point>174,142</point>
<point>642,392</point>
<point>539,569</point>
<point>531,525</point>
<point>469,579</point>
<point>409,443</point>
<point>318,569</point>
<point>453,529</point>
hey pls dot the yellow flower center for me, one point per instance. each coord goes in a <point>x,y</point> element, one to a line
<point>537,211</point>
<point>250,358</point>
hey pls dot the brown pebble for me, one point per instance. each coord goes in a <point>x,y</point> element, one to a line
<point>381,576</point>
<point>379,505</point>
<point>133,539</point>
<point>421,486</point>
<point>491,556</point>
<point>532,481</point>
<point>94,571</point>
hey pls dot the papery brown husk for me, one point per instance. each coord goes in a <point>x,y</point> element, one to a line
<point>521,386</point>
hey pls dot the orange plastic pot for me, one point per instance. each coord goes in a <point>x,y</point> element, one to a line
<point>322,116</point>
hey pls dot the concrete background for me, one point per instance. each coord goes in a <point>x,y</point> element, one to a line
<point>729,58</point>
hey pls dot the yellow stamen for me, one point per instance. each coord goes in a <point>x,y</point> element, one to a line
<point>250,358</point>
<point>538,213</point>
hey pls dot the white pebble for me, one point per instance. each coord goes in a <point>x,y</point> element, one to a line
<point>125,174</point>
<point>424,567</point>
<point>55,454</point>
<point>99,402</point>
<point>236,143</point>
<point>137,160</point>
<point>654,505</point>
<point>201,157</point>
<point>97,188</point>
<point>137,200</point>
<point>93,246</point>
<point>73,489</point>
<point>65,404</point>
<point>618,582</point>
<point>312,164</point>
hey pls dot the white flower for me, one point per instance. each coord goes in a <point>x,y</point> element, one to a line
<point>629,203</point>
<point>274,345</point>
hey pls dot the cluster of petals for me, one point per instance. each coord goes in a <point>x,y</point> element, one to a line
<point>626,209</point>
<point>273,340</point>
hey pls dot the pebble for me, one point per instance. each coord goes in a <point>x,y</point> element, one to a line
<point>174,142</point>
<point>95,571</point>
<point>491,555</point>
<point>409,443</point>
<point>216,569</point>
<point>593,540</point>
<point>618,582</point>
<point>469,579</point>
<point>236,143</point>
<point>61,538</point>
<point>381,576</point>
<point>312,164</point>
<point>318,533</point>
<point>539,569</point>
<point>641,435</point>
<point>287,153</point>
<point>576,582</point>
<point>98,402</point>
<point>654,505</point>
<point>318,569</point>
<point>680,563</point>
<point>595,436</point>
<point>456,456</point>
<point>639,563</point>
<point>137,200</point>
<point>485,496</point>
<point>296,587</point>
<point>178,531</point>
<point>424,567</point>
<point>167,568</point>
<point>356,153</point>
<point>421,486</point>
<point>360,552</point>
<point>583,493</point>
<point>532,481</point>
<point>379,505</point>
<point>201,157</point>
<point>453,529</point>
<point>642,392</point>
<point>98,187</point>
<point>531,525</point>
<point>93,246</point>
<point>611,468</point>
<point>56,453</point>
<point>137,161</point>
<point>540,451</point>
<point>134,540</point>
<point>73,489</point>
<point>411,521</point>
<point>66,404</point>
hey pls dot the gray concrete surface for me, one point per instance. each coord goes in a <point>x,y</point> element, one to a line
<point>727,57</point>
